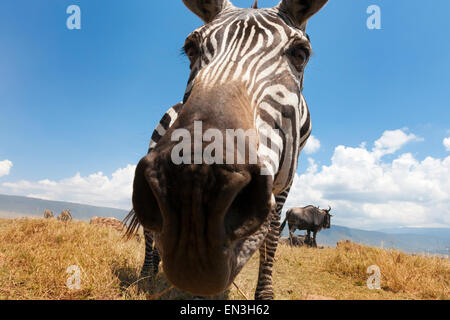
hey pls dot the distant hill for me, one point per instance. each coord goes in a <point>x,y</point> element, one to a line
<point>442,233</point>
<point>16,207</point>
<point>435,241</point>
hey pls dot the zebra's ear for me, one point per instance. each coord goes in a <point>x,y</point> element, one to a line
<point>301,10</point>
<point>207,10</point>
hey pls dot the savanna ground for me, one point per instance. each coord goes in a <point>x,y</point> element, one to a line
<point>35,255</point>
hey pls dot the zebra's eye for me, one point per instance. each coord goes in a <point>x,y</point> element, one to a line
<point>192,50</point>
<point>299,56</point>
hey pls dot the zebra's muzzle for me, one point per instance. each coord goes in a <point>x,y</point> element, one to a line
<point>200,213</point>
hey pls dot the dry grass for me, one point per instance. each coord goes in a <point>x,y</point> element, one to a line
<point>419,277</point>
<point>35,254</point>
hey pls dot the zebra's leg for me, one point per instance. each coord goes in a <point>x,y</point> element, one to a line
<point>264,290</point>
<point>152,258</point>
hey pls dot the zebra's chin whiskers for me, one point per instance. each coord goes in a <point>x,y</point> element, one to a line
<point>245,248</point>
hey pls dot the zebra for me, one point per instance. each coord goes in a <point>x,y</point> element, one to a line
<point>206,221</point>
<point>48,214</point>
<point>65,216</point>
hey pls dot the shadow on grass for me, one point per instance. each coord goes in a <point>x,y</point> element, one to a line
<point>127,276</point>
<point>157,288</point>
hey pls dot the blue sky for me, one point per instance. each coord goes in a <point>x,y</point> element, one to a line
<point>86,101</point>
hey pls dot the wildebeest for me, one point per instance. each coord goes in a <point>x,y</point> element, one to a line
<point>48,214</point>
<point>204,212</point>
<point>310,218</point>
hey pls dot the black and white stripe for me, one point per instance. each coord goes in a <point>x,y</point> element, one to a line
<point>280,106</point>
<point>166,122</point>
<point>249,46</point>
<point>152,258</point>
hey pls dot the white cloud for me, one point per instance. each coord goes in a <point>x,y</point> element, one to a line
<point>312,146</point>
<point>392,141</point>
<point>367,192</point>
<point>5,167</point>
<point>446,143</point>
<point>95,189</point>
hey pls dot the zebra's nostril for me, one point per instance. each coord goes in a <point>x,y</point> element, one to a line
<point>250,209</point>
<point>145,204</point>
